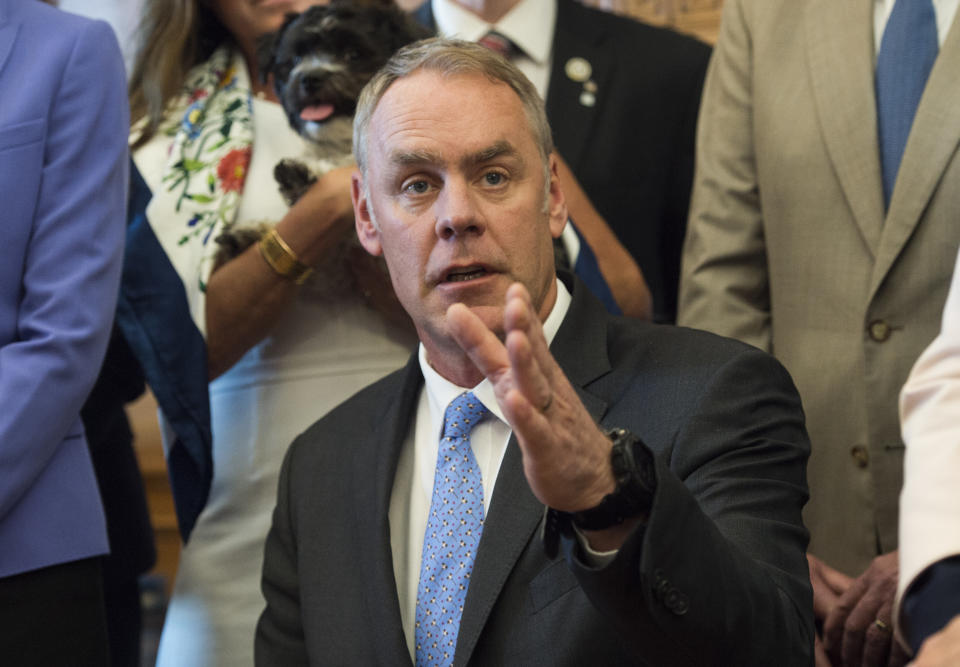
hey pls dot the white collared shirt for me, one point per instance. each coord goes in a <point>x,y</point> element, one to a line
<point>413,482</point>
<point>529,25</point>
<point>944,9</point>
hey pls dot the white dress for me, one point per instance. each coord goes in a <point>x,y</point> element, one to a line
<point>324,349</point>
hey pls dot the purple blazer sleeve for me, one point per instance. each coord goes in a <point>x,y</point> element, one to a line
<point>63,186</point>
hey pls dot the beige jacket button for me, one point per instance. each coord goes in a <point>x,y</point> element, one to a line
<point>879,330</point>
<point>860,456</point>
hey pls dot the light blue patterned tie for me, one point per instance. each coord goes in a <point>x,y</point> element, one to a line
<point>452,536</point>
<point>907,53</point>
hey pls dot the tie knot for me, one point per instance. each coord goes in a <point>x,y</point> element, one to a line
<point>463,413</point>
<point>498,42</point>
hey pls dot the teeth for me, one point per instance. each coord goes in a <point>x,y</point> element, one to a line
<point>466,275</point>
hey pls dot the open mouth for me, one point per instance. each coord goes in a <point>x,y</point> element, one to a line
<point>465,273</point>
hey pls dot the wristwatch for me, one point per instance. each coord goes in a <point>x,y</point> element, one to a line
<point>633,469</point>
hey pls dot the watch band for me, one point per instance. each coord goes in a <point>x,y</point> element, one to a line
<point>633,469</point>
<point>282,259</point>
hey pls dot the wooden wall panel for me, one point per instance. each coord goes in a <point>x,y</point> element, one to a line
<point>698,17</point>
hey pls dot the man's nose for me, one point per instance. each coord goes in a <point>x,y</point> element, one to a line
<point>457,210</point>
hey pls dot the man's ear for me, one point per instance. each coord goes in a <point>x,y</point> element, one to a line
<point>556,203</point>
<point>367,231</point>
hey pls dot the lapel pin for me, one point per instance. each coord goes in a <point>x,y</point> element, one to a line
<point>587,98</point>
<point>578,69</point>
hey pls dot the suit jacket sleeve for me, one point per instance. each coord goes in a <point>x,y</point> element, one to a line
<point>718,574</point>
<point>929,405</point>
<point>724,281</point>
<point>71,270</point>
<point>279,636</point>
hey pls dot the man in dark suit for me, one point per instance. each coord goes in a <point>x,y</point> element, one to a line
<point>672,460</point>
<point>622,99</point>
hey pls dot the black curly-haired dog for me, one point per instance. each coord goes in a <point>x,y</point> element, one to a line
<point>320,60</point>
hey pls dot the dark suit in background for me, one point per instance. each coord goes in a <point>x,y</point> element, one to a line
<point>632,151</point>
<point>132,549</point>
<point>717,576</point>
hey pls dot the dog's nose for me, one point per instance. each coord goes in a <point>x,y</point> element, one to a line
<point>310,83</point>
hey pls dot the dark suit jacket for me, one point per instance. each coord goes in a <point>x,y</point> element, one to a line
<point>633,150</point>
<point>717,576</point>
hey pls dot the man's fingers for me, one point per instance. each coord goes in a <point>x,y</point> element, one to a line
<point>863,637</point>
<point>527,375</point>
<point>825,595</point>
<point>835,579</point>
<point>480,344</point>
<point>525,318</point>
<point>877,644</point>
<point>835,625</point>
<point>819,654</point>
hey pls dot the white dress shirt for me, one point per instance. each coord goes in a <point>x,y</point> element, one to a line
<point>944,9</point>
<point>929,409</point>
<point>413,483</point>
<point>529,25</point>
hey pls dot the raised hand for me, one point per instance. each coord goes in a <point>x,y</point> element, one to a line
<point>566,457</point>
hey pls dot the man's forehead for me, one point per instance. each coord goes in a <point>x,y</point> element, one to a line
<point>419,111</point>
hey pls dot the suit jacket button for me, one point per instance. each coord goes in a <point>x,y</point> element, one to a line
<point>681,605</point>
<point>879,330</point>
<point>860,456</point>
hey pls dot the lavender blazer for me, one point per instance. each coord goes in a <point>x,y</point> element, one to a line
<point>63,185</point>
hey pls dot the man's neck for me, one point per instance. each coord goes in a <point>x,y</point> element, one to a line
<point>490,11</point>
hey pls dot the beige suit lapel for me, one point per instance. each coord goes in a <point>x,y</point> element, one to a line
<point>839,41</point>
<point>933,141</point>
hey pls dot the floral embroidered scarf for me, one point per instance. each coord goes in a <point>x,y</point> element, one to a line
<point>196,195</point>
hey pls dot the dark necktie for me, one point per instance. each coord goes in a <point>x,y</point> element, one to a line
<point>452,536</point>
<point>907,53</point>
<point>502,44</point>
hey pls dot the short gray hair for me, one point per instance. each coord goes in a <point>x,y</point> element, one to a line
<point>449,57</point>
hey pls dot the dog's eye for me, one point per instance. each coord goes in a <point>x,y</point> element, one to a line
<point>351,54</point>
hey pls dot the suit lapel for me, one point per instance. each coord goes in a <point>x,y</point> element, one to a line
<point>372,503</point>
<point>572,121</point>
<point>515,513</point>
<point>933,141</point>
<point>841,31</point>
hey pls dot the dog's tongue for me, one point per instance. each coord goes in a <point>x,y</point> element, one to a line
<point>317,112</point>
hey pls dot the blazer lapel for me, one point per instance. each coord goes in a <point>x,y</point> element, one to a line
<point>372,503</point>
<point>515,513</point>
<point>573,121</point>
<point>841,31</point>
<point>933,141</point>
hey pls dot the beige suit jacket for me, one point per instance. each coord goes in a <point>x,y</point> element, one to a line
<point>789,248</point>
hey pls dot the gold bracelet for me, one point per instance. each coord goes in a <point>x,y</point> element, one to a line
<point>282,259</point>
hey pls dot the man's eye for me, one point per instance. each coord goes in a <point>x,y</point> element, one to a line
<point>493,178</point>
<point>417,187</point>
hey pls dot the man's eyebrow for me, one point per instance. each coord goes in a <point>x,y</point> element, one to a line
<point>414,157</point>
<point>425,157</point>
<point>496,150</point>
